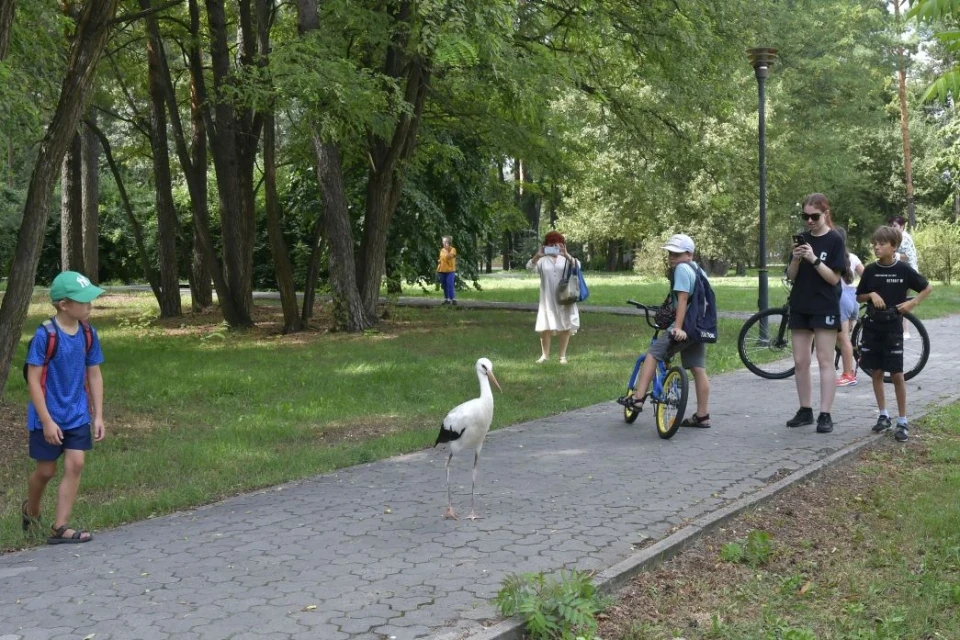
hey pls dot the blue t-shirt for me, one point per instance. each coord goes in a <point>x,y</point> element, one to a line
<point>66,396</point>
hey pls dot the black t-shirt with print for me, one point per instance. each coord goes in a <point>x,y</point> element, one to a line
<point>892,282</point>
<point>811,293</point>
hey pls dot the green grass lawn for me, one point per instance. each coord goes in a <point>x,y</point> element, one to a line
<point>614,289</point>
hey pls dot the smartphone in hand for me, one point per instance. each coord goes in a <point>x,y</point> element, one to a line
<point>551,250</point>
<point>798,240</point>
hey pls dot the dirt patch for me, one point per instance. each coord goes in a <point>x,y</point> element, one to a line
<point>13,431</point>
<point>813,526</point>
<point>357,430</point>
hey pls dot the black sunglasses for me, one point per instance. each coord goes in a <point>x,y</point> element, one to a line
<point>811,216</point>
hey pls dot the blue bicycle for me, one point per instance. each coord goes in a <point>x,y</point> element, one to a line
<point>669,390</point>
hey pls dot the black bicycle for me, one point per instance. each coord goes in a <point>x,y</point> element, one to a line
<point>766,349</point>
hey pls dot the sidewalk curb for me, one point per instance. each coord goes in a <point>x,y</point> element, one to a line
<point>612,579</point>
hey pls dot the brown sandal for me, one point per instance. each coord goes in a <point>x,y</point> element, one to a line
<point>76,538</point>
<point>701,422</point>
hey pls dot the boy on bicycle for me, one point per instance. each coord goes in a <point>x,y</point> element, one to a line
<point>693,355</point>
<point>884,286</point>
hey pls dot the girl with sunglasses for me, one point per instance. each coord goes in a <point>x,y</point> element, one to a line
<point>815,268</point>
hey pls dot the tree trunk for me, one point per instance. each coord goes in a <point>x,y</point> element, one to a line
<point>151,274</point>
<point>488,254</point>
<point>195,173</point>
<point>90,171</point>
<point>613,252</point>
<point>905,125</point>
<point>385,179</point>
<point>88,43</point>
<point>202,265</point>
<point>168,227</point>
<point>349,311</point>
<point>233,138</point>
<point>313,269</point>
<point>7,10</point>
<point>348,308</point>
<point>281,257</point>
<point>71,207</point>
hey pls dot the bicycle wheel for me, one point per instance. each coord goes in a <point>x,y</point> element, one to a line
<point>767,354</point>
<point>916,350</point>
<point>669,409</point>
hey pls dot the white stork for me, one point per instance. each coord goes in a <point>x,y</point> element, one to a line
<point>466,426</point>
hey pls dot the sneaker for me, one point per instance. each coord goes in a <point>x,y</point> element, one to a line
<point>847,380</point>
<point>906,335</point>
<point>804,416</point>
<point>902,433</point>
<point>824,423</point>
<point>453,303</point>
<point>883,423</point>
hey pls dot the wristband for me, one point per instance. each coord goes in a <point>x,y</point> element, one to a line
<point>817,262</point>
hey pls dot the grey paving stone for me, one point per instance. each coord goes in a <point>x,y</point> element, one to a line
<point>576,490</point>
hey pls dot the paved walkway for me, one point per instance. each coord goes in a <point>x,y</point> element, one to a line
<point>363,554</point>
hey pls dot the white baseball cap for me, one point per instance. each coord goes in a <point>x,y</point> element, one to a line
<point>680,243</point>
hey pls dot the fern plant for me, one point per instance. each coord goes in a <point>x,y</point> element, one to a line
<point>553,609</point>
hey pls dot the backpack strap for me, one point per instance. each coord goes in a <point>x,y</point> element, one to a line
<point>52,340</point>
<point>87,336</point>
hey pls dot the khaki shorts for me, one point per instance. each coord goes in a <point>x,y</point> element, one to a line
<point>692,354</point>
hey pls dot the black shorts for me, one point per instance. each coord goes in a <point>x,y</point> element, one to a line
<point>882,349</point>
<point>811,321</point>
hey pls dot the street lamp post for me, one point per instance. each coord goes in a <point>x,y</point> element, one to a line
<point>761,58</point>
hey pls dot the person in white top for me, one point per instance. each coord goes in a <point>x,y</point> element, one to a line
<point>553,318</point>
<point>907,251</point>
<point>849,309</point>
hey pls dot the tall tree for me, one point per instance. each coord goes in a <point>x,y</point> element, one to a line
<point>7,10</point>
<point>90,37</point>
<point>71,207</point>
<point>167,224</point>
<point>234,133</point>
<point>281,257</point>
<point>90,176</point>
<point>349,310</point>
<point>904,119</point>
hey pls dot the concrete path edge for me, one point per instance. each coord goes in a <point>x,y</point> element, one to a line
<point>614,578</point>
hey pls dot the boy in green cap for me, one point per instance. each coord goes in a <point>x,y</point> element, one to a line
<point>63,362</point>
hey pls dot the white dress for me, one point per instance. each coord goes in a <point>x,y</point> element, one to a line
<point>551,315</point>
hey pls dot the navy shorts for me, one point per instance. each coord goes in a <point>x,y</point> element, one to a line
<point>80,439</point>
<point>882,349</point>
<point>810,321</point>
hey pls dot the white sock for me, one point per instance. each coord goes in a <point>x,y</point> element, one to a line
<point>902,420</point>
<point>884,414</point>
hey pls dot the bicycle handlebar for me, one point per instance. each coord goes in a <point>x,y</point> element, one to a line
<point>646,312</point>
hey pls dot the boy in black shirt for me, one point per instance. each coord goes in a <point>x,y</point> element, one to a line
<point>884,287</point>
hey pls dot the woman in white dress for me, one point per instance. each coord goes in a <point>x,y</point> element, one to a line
<point>553,318</point>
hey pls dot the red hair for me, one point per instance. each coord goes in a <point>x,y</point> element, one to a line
<point>554,237</point>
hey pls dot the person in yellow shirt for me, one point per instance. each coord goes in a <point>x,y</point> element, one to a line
<point>447,270</point>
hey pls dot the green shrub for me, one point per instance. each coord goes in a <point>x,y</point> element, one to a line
<point>552,609</point>
<point>755,551</point>
<point>938,251</point>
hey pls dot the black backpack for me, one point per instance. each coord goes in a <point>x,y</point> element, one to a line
<point>53,340</point>
<point>700,322</point>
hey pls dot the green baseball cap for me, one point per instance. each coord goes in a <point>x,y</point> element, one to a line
<point>74,286</point>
